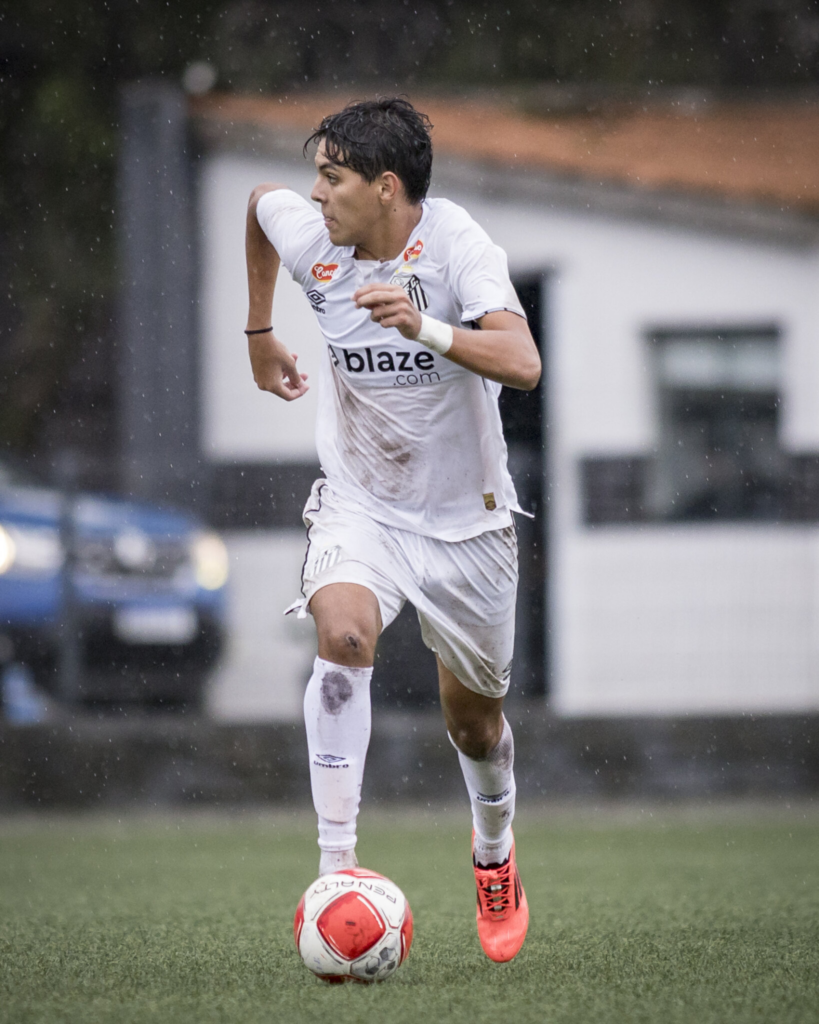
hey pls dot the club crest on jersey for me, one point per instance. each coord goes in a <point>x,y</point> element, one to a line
<point>412,286</point>
<point>323,271</point>
<point>414,251</point>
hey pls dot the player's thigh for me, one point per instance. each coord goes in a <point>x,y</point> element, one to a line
<point>348,622</point>
<point>467,610</point>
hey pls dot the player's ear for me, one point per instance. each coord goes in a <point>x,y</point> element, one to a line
<point>389,186</point>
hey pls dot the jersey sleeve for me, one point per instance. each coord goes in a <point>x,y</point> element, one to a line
<point>293,227</point>
<point>479,274</point>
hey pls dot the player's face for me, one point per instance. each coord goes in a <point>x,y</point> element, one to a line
<point>350,205</point>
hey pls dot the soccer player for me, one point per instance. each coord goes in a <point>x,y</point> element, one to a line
<point>416,501</point>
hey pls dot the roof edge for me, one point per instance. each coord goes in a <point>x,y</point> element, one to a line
<point>694,210</point>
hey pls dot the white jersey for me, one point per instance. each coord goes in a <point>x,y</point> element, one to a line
<point>404,434</point>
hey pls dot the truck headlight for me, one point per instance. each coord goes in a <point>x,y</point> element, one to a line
<point>29,550</point>
<point>210,560</point>
<point>8,550</point>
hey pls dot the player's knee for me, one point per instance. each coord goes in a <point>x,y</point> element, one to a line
<point>349,646</point>
<point>475,739</point>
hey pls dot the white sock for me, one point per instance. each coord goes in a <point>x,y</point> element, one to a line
<point>490,782</point>
<point>336,860</point>
<point>337,719</point>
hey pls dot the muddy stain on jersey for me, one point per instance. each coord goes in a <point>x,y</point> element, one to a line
<point>378,448</point>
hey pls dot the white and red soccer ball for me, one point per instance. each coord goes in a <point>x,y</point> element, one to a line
<point>353,925</point>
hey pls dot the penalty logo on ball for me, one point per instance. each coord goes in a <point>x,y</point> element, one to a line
<point>353,925</point>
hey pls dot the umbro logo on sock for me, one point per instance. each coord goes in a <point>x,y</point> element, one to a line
<point>330,761</point>
<point>484,799</point>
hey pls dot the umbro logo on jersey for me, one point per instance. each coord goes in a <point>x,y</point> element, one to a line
<point>317,299</point>
<point>330,758</point>
<point>414,251</point>
<point>323,271</point>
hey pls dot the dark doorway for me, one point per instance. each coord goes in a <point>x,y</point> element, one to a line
<point>405,674</point>
<point>525,423</point>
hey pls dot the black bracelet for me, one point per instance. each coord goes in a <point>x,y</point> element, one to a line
<point>261,330</point>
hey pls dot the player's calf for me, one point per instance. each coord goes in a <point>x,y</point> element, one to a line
<point>337,719</point>
<point>490,782</point>
<point>503,913</point>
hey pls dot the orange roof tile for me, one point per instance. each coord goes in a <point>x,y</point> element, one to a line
<point>759,152</point>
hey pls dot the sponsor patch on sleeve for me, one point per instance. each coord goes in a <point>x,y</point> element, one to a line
<point>323,271</point>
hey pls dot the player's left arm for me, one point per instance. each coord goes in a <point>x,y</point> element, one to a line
<point>503,349</point>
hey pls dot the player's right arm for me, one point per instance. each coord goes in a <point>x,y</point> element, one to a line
<point>274,367</point>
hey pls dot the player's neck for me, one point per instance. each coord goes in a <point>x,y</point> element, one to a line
<point>391,235</point>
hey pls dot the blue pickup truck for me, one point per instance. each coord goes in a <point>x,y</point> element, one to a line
<point>146,592</point>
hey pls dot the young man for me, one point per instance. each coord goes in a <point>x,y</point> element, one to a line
<point>417,502</point>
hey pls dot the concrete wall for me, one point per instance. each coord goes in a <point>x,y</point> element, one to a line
<point>241,422</point>
<point>270,656</point>
<point>90,762</point>
<point>646,620</point>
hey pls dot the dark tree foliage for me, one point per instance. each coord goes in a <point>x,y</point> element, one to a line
<point>61,65</point>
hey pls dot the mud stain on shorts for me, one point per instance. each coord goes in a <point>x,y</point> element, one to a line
<point>336,690</point>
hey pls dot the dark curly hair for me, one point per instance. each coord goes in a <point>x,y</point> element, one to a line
<point>384,134</point>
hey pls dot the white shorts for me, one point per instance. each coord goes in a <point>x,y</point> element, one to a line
<point>463,591</point>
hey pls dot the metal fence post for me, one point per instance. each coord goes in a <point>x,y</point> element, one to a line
<point>69,656</point>
<point>158,314</point>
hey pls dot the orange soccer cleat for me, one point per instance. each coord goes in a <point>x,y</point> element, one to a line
<point>503,913</point>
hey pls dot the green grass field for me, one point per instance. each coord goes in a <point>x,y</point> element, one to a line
<point>702,916</point>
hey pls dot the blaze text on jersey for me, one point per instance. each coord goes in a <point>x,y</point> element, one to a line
<point>408,369</point>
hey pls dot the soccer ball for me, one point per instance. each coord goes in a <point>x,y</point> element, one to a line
<point>353,925</point>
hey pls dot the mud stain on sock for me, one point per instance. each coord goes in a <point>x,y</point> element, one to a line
<point>503,755</point>
<point>336,690</point>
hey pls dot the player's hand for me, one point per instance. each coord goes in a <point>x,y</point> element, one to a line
<point>274,368</point>
<point>390,306</point>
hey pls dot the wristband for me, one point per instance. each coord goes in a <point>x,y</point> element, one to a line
<point>435,335</point>
<point>260,330</point>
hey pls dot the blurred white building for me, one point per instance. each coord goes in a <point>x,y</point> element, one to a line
<point>672,258</point>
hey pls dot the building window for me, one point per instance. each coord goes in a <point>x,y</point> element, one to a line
<point>718,397</point>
